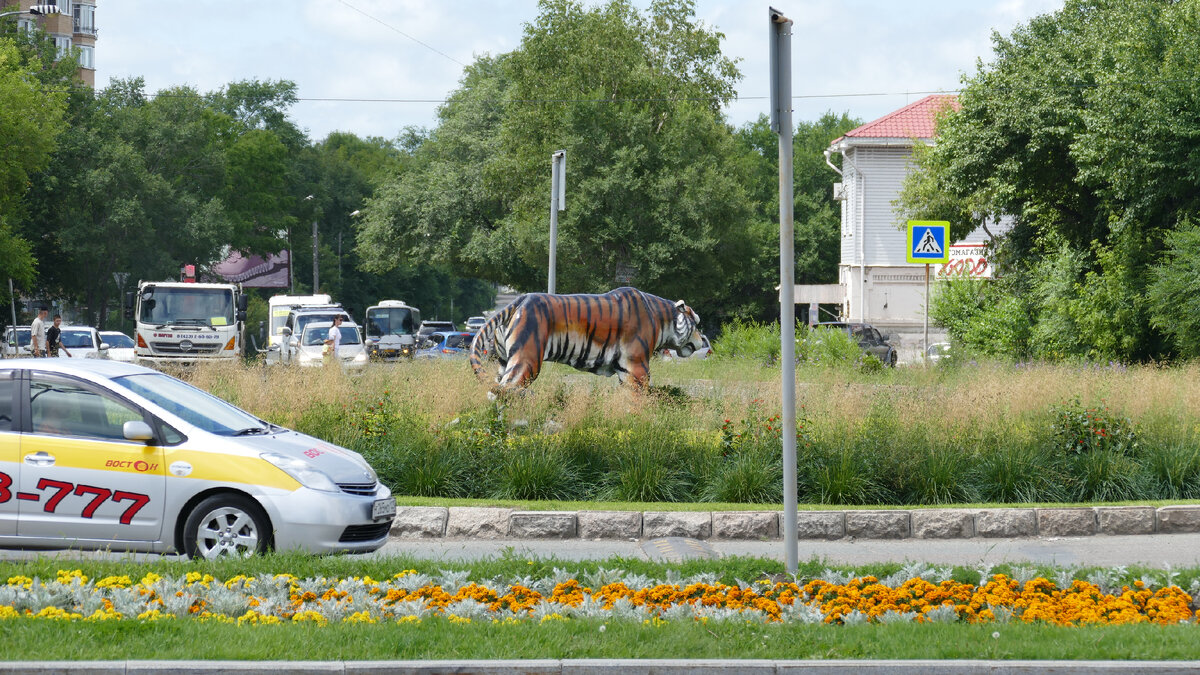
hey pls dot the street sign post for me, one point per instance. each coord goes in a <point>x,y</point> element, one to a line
<point>928,242</point>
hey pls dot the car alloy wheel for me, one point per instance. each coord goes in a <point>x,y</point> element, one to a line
<point>225,526</point>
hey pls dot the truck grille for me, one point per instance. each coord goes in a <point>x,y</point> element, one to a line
<point>371,532</point>
<point>197,348</point>
<point>362,489</point>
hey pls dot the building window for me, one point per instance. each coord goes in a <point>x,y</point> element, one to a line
<point>26,25</point>
<point>63,45</point>
<point>85,19</point>
<point>87,57</point>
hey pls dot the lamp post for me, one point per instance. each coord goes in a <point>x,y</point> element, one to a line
<point>316,270</point>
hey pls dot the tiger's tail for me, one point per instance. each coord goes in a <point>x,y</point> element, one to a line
<point>483,347</point>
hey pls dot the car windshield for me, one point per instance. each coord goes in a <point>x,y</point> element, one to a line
<point>457,341</point>
<point>303,320</point>
<point>383,321</point>
<point>117,340</point>
<point>77,339</point>
<point>189,306</point>
<point>195,406</point>
<point>316,335</point>
<point>22,337</point>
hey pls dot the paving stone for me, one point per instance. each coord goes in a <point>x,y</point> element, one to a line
<point>676,524</point>
<point>878,524</point>
<point>542,525</point>
<point>1005,523</point>
<point>609,524</point>
<point>1066,522</point>
<point>477,522</point>
<point>1173,519</point>
<point>942,523</point>
<point>818,524</point>
<point>1125,519</point>
<point>745,524</point>
<point>420,522</point>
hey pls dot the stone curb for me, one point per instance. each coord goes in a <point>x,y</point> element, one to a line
<point>424,522</point>
<point>602,666</point>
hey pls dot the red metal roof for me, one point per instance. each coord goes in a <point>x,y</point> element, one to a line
<point>915,120</point>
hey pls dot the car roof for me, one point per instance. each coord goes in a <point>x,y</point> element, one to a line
<point>101,367</point>
<point>450,332</point>
<point>112,332</point>
<point>329,324</point>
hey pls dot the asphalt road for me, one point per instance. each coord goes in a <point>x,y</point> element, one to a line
<point>1176,550</point>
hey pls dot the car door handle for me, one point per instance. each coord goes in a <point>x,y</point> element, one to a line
<point>40,459</point>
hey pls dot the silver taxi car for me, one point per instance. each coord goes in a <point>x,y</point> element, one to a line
<point>98,454</point>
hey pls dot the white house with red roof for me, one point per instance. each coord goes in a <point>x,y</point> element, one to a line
<point>876,283</point>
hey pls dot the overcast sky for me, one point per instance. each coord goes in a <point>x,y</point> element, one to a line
<point>864,57</point>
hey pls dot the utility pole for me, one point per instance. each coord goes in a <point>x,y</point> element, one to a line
<point>781,123</point>
<point>316,268</point>
<point>558,202</point>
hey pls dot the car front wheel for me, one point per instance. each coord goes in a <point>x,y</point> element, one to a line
<point>226,525</point>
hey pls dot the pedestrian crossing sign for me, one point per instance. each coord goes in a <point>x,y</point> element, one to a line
<point>927,241</point>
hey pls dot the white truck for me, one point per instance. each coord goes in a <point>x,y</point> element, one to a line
<point>183,322</point>
<point>279,306</point>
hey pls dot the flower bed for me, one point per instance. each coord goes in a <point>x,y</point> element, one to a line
<point>408,597</point>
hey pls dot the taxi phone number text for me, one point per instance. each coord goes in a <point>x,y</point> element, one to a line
<point>62,489</point>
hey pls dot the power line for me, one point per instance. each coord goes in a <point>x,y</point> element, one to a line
<point>388,25</point>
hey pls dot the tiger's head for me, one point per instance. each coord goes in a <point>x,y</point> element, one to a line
<point>686,335</point>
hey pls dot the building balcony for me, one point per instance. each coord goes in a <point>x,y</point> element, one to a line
<point>89,29</point>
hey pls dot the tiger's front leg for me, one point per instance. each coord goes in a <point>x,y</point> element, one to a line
<point>520,373</point>
<point>635,372</point>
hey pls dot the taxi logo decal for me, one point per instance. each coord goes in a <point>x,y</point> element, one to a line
<point>139,465</point>
<point>180,469</point>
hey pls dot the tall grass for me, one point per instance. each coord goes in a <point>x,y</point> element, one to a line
<point>988,431</point>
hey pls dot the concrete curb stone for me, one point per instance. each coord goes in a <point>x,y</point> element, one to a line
<point>667,666</point>
<point>1125,519</point>
<point>943,524</point>
<point>696,525</point>
<point>1066,522</point>
<point>878,524</point>
<point>609,524</point>
<point>745,524</point>
<point>498,667</point>
<point>1005,523</point>
<point>1178,519</point>
<point>818,524</point>
<point>420,522</point>
<point>543,524</point>
<point>478,522</point>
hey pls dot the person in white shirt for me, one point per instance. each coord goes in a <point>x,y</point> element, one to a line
<point>37,333</point>
<point>333,340</point>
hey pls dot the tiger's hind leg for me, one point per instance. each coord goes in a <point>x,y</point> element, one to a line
<point>519,373</point>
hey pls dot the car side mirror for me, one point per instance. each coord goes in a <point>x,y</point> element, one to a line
<point>137,430</point>
<point>104,346</point>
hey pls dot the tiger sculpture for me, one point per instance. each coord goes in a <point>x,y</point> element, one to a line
<point>614,332</point>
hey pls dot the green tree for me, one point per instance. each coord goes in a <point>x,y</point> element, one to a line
<point>1082,129</point>
<point>655,191</point>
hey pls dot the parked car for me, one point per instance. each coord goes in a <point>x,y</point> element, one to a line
<point>474,323</point>
<point>868,338</point>
<point>445,344</point>
<point>310,348</point>
<point>429,327</point>
<point>83,342</point>
<point>16,341</point>
<point>121,457</point>
<point>120,345</point>
<point>297,321</point>
<point>702,353</point>
<point>938,351</point>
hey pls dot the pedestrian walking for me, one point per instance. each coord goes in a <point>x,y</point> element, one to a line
<point>37,333</point>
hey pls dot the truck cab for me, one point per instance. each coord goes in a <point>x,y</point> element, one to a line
<point>186,322</point>
<point>391,328</point>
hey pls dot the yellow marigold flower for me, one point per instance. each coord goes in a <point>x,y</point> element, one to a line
<point>150,578</point>
<point>403,573</point>
<point>454,618</point>
<point>104,615</point>
<point>154,615</point>
<point>20,581</point>
<point>53,612</point>
<point>122,581</point>
<point>553,617</point>
<point>7,612</point>
<point>255,618</point>
<point>310,616</point>
<point>409,619</point>
<point>360,617</point>
<point>68,576</point>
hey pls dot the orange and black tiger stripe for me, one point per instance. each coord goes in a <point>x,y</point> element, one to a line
<point>610,333</point>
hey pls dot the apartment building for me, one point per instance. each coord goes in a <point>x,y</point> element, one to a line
<point>73,26</point>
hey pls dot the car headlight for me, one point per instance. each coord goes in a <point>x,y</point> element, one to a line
<point>360,357</point>
<point>308,475</point>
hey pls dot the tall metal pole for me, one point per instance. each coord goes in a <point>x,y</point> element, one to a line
<point>557,201</point>
<point>316,269</point>
<point>13,297</point>
<point>925,340</point>
<point>781,123</point>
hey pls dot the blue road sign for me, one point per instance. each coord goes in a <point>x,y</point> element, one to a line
<point>928,241</point>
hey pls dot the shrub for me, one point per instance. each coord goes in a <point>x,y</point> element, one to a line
<point>1014,471</point>
<point>535,468</point>
<point>748,340</point>
<point>1174,470</point>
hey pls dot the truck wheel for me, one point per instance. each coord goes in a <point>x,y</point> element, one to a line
<point>226,525</point>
